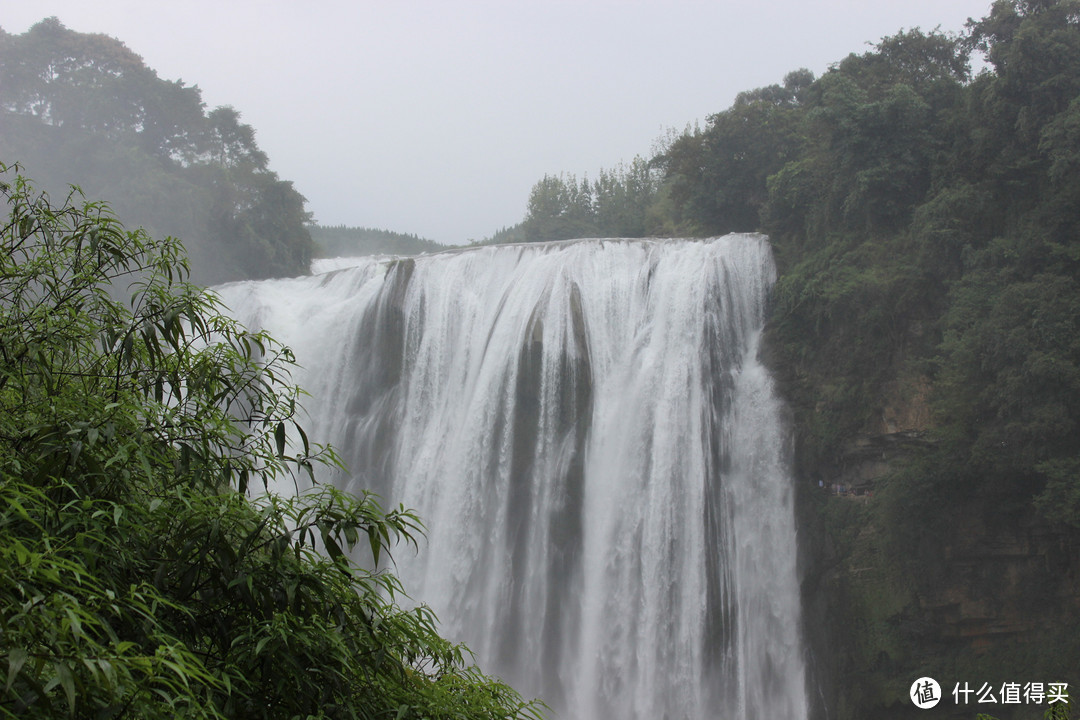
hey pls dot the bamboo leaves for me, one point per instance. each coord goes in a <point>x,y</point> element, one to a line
<point>140,580</point>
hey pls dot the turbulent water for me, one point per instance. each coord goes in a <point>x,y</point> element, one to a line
<point>596,452</point>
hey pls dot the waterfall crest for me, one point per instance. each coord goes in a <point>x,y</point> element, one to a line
<point>596,452</point>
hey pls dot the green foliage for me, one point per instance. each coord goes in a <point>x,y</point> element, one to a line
<point>84,108</point>
<point>617,204</point>
<point>717,177</point>
<point>928,229</point>
<point>512,234</point>
<point>1057,711</point>
<point>139,579</point>
<point>934,219</point>
<point>841,316</point>
<point>342,241</point>
<point>1010,384</point>
<point>560,208</point>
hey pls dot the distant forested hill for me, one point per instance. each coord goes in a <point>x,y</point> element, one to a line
<point>342,241</point>
<point>84,109</point>
<point>511,234</point>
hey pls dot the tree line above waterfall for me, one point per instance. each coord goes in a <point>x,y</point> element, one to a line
<point>926,220</point>
<point>344,241</point>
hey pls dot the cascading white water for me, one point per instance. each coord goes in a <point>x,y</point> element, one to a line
<point>596,452</point>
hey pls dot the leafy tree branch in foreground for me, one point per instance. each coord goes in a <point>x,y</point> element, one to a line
<point>138,582</point>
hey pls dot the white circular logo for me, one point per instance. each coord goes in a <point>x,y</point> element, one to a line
<point>925,693</point>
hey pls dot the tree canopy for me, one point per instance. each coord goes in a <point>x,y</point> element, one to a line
<point>140,580</point>
<point>84,109</point>
<point>615,205</point>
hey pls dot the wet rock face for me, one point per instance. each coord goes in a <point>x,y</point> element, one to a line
<point>907,407</point>
<point>992,596</point>
<point>867,458</point>
<point>1004,579</point>
<point>990,593</point>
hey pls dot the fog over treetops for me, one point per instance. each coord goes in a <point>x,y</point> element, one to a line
<point>83,109</point>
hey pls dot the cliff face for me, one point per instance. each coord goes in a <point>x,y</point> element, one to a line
<point>924,332</point>
<point>991,595</point>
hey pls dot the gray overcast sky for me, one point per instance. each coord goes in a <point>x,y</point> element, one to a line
<point>436,117</point>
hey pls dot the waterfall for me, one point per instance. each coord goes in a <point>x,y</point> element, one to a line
<point>596,452</point>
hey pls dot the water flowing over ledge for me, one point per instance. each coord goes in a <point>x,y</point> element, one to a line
<point>597,454</point>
